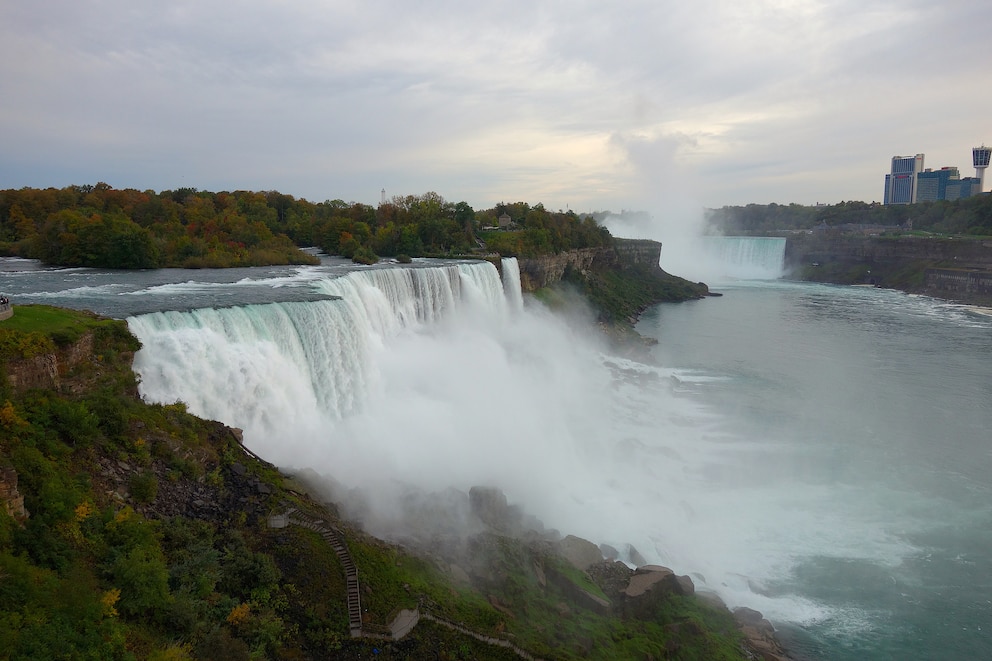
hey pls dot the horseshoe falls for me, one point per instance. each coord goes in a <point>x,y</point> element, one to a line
<point>717,259</point>
<point>746,257</point>
<point>818,453</point>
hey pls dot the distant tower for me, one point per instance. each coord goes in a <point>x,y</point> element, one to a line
<point>980,158</point>
<point>383,201</point>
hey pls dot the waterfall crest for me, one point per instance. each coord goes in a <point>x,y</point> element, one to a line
<point>251,365</point>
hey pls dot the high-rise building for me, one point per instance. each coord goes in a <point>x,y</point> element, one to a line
<point>980,159</point>
<point>900,183</point>
<point>963,188</point>
<point>932,185</point>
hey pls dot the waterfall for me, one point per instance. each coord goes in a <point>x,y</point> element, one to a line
<point>746,257</point>
<point>255,366</point>
<point>511,282</point>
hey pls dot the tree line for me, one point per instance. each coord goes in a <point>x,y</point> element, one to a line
<point>101,226</point>
<point>968,216</point>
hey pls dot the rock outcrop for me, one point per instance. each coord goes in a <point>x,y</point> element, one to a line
<point>10,497</point>
<point>760,634</point>
<point>538,272</point>
<point>580,553</point>
<point>649,587</point>
<point>51,370</point>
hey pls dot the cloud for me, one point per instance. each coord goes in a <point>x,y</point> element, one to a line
<point>575,104</point>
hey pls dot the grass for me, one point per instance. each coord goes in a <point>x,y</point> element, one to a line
<point>37,329</point>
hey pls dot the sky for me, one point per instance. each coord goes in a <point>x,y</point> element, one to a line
<point>578,105</point>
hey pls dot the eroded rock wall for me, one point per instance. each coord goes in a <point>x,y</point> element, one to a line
<point>48,370</point>
<point>538,272</point>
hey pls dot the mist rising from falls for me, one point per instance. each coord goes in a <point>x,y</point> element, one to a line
<point>689,253</point>
<point>426,379</point>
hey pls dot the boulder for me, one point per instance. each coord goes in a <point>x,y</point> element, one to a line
<point>759,634</point>
<point>609,552</point>
<point>635,557</point>
<point>580,553</point>
<point>651,585</point>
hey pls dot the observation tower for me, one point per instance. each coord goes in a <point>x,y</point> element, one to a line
<point>980,158</point>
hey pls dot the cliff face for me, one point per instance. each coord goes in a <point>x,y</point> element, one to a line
<point>538,272</point>
<point>959,269</point>
<point>70,369</point>
<point>957,253</point>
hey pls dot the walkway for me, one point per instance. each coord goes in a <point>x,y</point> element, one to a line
<point>406,619</point>
<point>333,537</point>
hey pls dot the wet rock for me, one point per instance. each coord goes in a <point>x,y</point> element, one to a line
<point>650,586</point>
<point>759,634</point>
<point>609,552</point>
<point>580,553</point>
<point>635,557</point>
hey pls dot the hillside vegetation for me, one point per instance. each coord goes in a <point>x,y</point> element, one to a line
<point>968,216</point>
<point>144,536</point>
<point>105,227</point>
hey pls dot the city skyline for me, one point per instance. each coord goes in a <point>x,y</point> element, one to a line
<point>639,105</point>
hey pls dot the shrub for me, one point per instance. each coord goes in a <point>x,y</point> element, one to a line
<point>144,581</point>
<point>144,487</point>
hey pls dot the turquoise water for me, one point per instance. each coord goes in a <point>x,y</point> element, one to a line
<point>873,411</point>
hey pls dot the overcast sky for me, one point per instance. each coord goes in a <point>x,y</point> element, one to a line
<point>581,105</point>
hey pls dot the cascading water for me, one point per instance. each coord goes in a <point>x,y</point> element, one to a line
<point>511,282</point>
<point>745,257</point>
<point>255,366</point>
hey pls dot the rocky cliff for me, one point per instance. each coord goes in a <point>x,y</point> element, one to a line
<point>47,370</point>
<point>946,267</point>
<point>538,272</point>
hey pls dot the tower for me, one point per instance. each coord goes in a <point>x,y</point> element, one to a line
<point>980,158</point>
<point>900,184</point>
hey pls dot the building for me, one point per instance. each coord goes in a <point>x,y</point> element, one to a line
<point>931,185</point>
<point>909,183</point>
<point>900,183</point>
<point>966,187</point>
<point>980,159</point>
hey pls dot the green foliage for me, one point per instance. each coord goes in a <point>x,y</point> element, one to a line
<point>101,226</point>
<point>128,229</point>
<point>364,256</point>
<point>144,579</point>
<point>619,296</point>
<point>144,487</point>
<point>968,216</point>
<point>40,329</point>
<point>44,616</point>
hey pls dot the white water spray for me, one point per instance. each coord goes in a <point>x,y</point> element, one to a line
<point>420,379</point>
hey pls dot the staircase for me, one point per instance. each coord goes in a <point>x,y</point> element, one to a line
<point>334,537</point>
